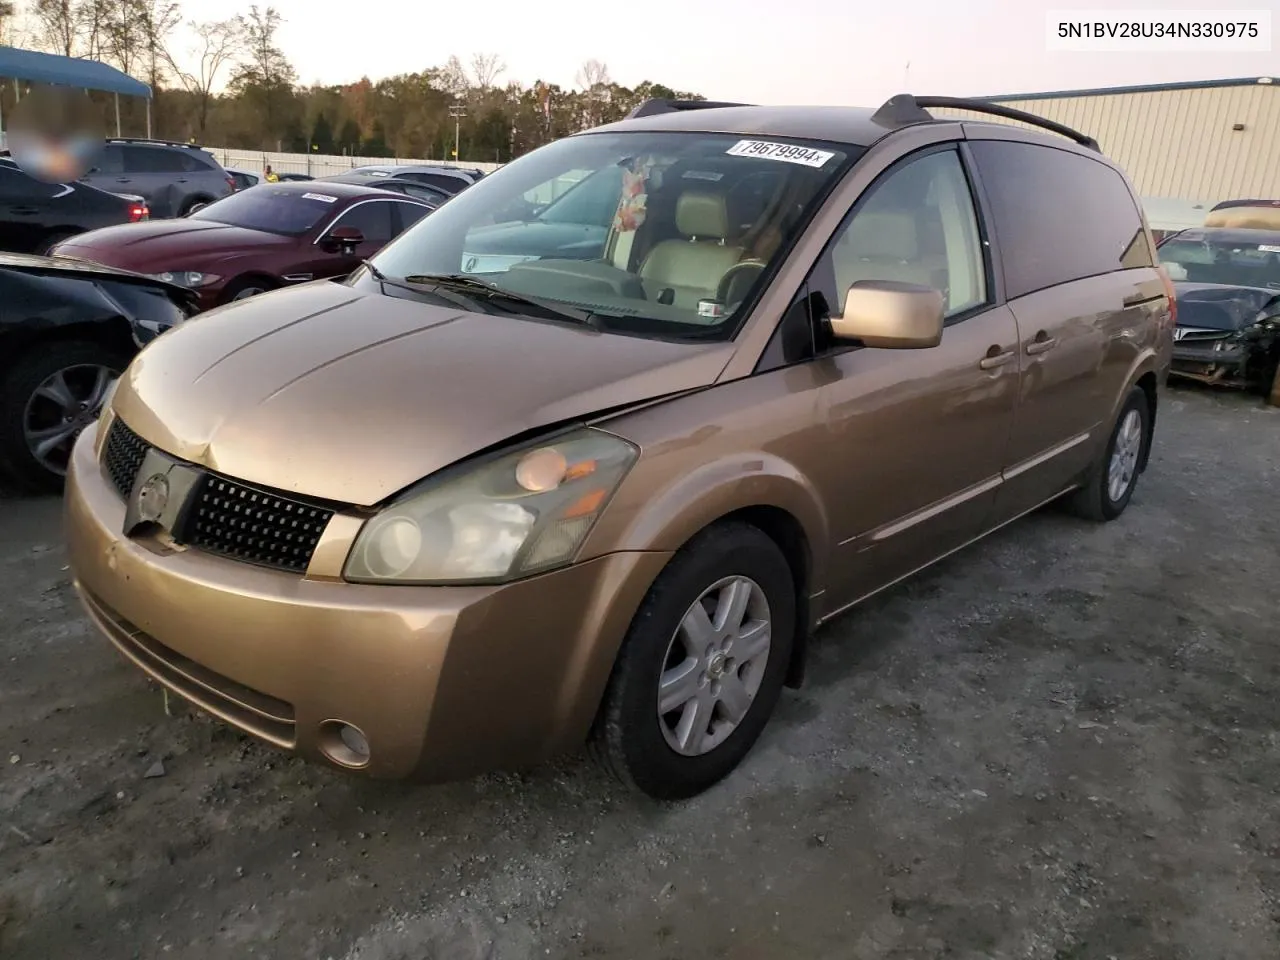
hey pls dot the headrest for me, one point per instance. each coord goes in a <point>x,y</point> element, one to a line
<point>702,215</point>
<point>883,236</point>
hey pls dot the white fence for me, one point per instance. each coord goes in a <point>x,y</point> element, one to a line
<point>319,165</point>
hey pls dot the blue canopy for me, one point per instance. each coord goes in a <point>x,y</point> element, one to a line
<point>68,72</point>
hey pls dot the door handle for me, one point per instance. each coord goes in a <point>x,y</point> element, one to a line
<point>1041,346</point>
<point>123,180</point>
<point>24,211</point>
<point>993,360</point>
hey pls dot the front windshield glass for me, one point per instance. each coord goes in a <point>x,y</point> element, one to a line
<point>667,234</point>
<point>285,211</point>
<point>1255,263</point>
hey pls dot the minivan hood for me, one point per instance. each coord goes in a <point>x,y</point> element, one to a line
<point>347,396</point>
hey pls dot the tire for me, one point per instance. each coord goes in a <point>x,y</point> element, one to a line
<point>22,409</point>
<point>1096,500</point>
<point>640,747</point>
<point>192,205</point>
<point>52,241</point>
<point>246,288</point>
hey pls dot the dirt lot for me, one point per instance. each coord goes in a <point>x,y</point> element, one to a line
<point>1060,744</point>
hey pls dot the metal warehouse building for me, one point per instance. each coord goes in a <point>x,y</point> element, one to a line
<point>1186,146</point>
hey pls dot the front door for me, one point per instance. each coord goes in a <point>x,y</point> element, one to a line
<point>916,438</point>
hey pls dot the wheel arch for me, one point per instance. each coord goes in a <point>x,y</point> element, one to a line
<point>114,332</point>
<point>754,488</point>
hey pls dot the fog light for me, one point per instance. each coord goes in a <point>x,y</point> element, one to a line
<point>344,743</point>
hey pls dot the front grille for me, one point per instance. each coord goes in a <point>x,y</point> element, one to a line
<point>123,457</point>
<point>255,525</point>
<point>227,517</point>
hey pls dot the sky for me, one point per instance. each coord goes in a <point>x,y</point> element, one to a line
<point>758,51</point>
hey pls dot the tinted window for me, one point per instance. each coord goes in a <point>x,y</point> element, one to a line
<point>192,162</point>
<point>916,224</point>
<point>411,213</point>
<point>111,160</point>
<point>372,219</point>
<point>1059,216</point>
<point>443,181</point>
<point>152,160</point>
<point>269,208</point>
<point>16,185</point>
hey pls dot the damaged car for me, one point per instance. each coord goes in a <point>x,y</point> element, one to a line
<point>67,331</point>
<point>1227,283</point>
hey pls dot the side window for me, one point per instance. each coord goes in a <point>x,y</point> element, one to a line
<point>409,214</point>
<point>190,163</point>
<point>1059,216</point>
<point>17,186</point>
<point>443,181</point>
<point>917,224</point>
<point>372,219</point>
<point>111,160</point>
<point>151,160</point>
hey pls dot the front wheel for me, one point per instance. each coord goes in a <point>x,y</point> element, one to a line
<point>47,397</point>
<point>1112,480</point>
<point>702,666</point>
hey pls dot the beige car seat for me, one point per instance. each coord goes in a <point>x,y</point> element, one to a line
<point>884,245</point>
<point>692,268</point>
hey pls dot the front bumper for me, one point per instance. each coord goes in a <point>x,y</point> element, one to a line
<point>1208,364</point>
<point>444,682</point>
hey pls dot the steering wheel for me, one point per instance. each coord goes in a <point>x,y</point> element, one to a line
<point>724,288</point>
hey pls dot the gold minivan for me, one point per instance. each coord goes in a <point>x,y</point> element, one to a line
<point>587,454</point>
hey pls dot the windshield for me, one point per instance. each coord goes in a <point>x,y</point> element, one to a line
<point>1230,261</point>
<point>666,234</point>
<point>285,211</point>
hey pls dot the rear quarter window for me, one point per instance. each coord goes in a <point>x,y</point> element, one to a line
<point>1058,216</point>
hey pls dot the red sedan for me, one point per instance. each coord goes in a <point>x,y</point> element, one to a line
<point>257,239</point>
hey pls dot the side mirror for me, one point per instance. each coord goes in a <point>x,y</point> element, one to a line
<point>344,240</point>
<point>891,315</point>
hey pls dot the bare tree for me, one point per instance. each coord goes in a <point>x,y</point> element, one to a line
<point>8,19</point>
<point>454,77</point>
<point>158,19</point>
<point>57,25</point>
<point>264,71</point>
<point>592,75</point>
<point>216,46</point>
<point>485,68</point>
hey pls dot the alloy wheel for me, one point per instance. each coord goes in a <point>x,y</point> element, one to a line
<point>61,407</point>
<point>1123,466</point>
<point>714,666</point>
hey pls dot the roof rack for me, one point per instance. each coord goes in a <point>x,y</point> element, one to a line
<point>653,107</point>
<point>904,109</point>
<point>162,143</point>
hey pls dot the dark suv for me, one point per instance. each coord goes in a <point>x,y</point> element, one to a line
<point>451,180</point>
<point>172,177</point>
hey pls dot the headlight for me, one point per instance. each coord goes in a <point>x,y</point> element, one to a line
<point>187,278</point>
<point>525,512</point>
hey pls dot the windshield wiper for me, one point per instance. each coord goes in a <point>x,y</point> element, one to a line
<point>467,284</point>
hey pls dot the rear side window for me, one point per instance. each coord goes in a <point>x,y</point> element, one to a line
<point>1058,216</point>
<point>152,160</point>
<point>372,218</point>
<point>410,213</point>
<point>197,161</point>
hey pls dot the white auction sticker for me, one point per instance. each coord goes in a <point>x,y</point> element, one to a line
<point>324,197</point>
<point>1268,248</point>
<point>786,152</point>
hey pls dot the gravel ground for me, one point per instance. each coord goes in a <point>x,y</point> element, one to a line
<point>1060,745</point>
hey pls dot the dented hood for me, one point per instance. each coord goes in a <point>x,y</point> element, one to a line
<point>333,393</point>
